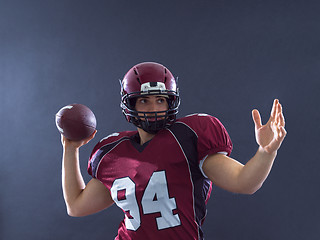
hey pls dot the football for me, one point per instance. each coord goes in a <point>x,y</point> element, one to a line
<point>76,122</point>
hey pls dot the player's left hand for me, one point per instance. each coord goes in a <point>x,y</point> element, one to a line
<point>271,135</point>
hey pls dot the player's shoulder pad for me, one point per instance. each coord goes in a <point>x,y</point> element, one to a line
<point>112,138</point>
<point>196,117</point>
<point>116,136</point>
<point>199,121</point>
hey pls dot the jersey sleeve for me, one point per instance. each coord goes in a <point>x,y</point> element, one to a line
<point>212,137</point>
<point>94,157</point>
<point>103,147</point>
<point>99,150</point>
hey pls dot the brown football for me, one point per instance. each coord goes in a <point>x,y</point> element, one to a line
<point>76,122</point>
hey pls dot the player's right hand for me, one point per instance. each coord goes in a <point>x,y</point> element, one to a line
<point>66,143</point>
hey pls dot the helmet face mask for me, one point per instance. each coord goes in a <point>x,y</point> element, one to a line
<point>147,79</point>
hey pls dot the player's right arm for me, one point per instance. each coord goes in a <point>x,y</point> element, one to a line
<point>80,199</point>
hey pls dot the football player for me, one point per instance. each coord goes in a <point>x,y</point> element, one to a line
<point>161,175</point>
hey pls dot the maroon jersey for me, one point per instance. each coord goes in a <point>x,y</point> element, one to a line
<point>160,185</point>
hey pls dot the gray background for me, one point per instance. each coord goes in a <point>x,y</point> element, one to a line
<point>230,57</point>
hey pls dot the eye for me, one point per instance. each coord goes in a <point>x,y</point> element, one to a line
<point>142,100</point>
<point>161,100</point>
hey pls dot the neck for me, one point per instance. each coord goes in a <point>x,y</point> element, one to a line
<point>144,136</point>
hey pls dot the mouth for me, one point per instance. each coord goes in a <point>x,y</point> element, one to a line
<point>152,117</point>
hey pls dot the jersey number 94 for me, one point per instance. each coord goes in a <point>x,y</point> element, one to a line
<point>155,199</point>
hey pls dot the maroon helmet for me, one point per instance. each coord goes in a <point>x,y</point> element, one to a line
<point>149,78</point>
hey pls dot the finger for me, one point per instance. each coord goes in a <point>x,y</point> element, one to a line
<point>90,137</point>
<point>256,118</point>
<point>279,121</point>
<point>274,110</point>
<point>281,117</point>
<point>283,133</point>
<point>62,139</point>
<point>93,134</point>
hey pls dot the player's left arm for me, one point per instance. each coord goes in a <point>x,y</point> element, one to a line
<point>233,176</point>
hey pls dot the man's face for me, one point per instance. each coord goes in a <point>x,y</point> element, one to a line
<point>152,103</point>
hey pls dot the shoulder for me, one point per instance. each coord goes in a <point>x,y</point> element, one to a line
<point>199,121</point>
<point>199,125</point>
<point>116,137</point>
<point>212,137</point>
<point>196,117</point>
<point>112,139</point>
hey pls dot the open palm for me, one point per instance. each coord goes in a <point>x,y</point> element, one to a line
<point>270,135</point>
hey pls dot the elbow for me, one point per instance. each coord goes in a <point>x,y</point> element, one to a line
<point>250,190</point>
<point>73,212</point>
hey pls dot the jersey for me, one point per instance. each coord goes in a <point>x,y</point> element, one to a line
<point>160,185</point>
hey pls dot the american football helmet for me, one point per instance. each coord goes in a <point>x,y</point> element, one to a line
<point>149,78</point>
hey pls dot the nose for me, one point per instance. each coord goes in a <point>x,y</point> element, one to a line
<point>153,107</point>
<point>156,106</point>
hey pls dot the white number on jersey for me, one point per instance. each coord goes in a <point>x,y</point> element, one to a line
<point>155,199</point>
<point>129,203</point>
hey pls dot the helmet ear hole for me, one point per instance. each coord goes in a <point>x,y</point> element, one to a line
<point>173,101</point>
<point>170,101</point>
